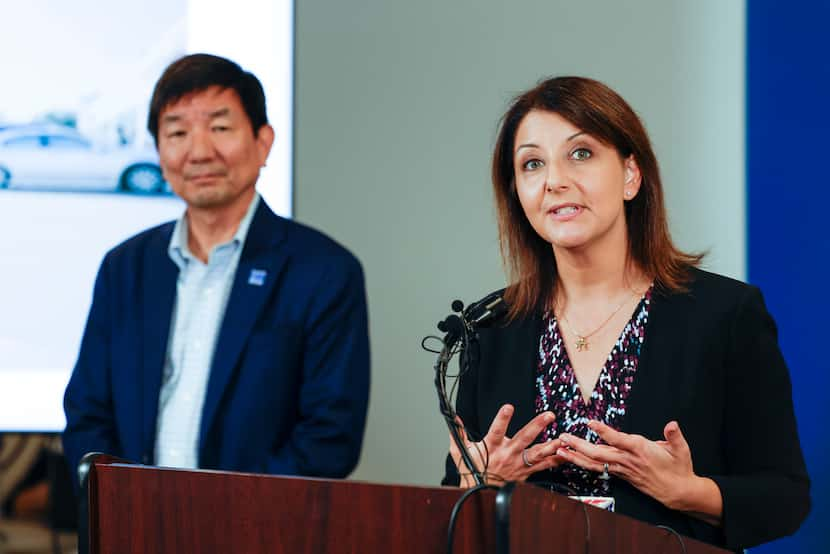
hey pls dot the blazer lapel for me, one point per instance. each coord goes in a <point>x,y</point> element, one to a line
<point>159,296</point>
<point>259,267</point>
<point>659,363</point>
<point>519,351</point>
<point>527,361</point>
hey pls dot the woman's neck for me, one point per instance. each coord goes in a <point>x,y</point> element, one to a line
<point>596,274</point>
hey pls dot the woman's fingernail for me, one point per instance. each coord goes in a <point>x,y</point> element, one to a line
<point>564,438</point>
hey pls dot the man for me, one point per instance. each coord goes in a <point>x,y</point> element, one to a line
<point>232,338</point>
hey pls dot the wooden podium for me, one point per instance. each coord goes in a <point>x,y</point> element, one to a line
<point>144,510</point>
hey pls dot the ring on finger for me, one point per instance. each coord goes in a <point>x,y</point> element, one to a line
<point>524,458</point>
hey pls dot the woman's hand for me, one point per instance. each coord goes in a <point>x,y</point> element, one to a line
<point>660,469</point>
<point>505,458</point>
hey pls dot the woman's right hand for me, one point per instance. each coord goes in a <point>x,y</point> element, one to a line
<point>501,456</point>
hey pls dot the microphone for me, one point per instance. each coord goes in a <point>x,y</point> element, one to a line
<point>453,323</point>
<point>462,325</point>
<point>482,313</point>
<point>486,311</point>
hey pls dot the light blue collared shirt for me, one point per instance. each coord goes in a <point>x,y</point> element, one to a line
<point>202,293</point>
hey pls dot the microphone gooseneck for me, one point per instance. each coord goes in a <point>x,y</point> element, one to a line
<point>460,331</point>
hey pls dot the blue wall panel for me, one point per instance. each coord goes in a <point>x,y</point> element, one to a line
<point>788,144</point>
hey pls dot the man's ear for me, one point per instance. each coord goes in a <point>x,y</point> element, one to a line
<point>264,140</point>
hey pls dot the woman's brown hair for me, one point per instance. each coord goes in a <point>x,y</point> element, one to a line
<point>599,111</point>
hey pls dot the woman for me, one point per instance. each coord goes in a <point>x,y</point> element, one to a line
<point>622,369</point>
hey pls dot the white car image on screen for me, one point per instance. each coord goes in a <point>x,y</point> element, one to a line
<point>56,157</point>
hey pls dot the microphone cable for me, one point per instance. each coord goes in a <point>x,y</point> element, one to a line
<point>676,534</point>
<point>456,509</point>
<point>458,336</point>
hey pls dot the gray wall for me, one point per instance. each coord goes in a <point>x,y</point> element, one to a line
<point>396,111</point>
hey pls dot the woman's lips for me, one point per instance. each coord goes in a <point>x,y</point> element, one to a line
<point>565,212</point>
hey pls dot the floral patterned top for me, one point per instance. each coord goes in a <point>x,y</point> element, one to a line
<point>557,390</point>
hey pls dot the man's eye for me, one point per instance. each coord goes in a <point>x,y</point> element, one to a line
<point>220,128</point>
<point>175,134</point>
<point>581,154</point>
<point>531,165</point>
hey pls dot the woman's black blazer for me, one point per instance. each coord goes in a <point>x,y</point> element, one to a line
<point>710,360</point>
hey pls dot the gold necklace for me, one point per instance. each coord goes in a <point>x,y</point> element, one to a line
<point>582,339</point>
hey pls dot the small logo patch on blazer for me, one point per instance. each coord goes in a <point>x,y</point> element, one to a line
<point>257,277</point>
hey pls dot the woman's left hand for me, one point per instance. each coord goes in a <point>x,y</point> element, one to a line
<point>660,469</point>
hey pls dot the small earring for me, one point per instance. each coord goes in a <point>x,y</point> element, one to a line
<point>628,193</point>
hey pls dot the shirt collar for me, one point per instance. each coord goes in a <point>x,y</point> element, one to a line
<point>180,253</point>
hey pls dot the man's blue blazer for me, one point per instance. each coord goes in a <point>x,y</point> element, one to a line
<point>288,386</point>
